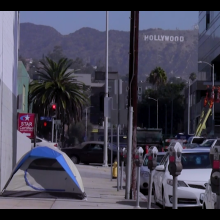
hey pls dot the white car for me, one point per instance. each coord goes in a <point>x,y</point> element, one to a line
<point>191,182</point>
<point>210,198</point>
<point>43,142</point>
<point>145,172</point>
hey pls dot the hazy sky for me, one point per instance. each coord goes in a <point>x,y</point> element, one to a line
<point>69,21</point>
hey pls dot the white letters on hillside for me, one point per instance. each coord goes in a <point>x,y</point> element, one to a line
<point>164,38</point>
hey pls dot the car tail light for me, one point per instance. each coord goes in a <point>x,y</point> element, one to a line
<point>55,145</point>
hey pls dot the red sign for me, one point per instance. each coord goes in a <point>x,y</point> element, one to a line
<point>26,124</point>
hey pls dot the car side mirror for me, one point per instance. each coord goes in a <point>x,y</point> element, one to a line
<point>160,168</point>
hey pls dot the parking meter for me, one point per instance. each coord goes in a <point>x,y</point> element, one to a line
<point>139,156</point>
<point>215,174</point>
<point>175,153</point>
<point>152,158</point>
<point>123,154</point>
<point>152,163</point>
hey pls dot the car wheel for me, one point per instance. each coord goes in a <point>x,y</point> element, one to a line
<point>74,159</point>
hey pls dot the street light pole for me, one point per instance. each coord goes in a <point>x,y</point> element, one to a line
<point>157,113</point>
<point>189,108</point>
<point>105,156</point>
<point>156,100</point>
<point>213,84</point>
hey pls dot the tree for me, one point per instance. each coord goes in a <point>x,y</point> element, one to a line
<point>157,77</point>
<point>77,130</point>
<point>56,54</point>
<point>192,76</point>
<point>60,86</point>
<point>175,80</point>
<point>165,94</point>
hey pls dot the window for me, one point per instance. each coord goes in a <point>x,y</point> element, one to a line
<point>96,147</point>
<point>139,90</point>
<point>23,99</point>
<point>217,143</point>
<point>196,161</point>
<point>198,140</point>
<point>207,143</point>
<point>159,158</point>
<point>207,19</point>
<point>139,98</point>
<point>46,164</point>
<point>164,159</point>
<point>149,136</point>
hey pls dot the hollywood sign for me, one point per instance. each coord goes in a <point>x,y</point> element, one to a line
<point>164,38</point>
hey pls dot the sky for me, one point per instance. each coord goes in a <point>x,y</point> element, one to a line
<point>67,22</point>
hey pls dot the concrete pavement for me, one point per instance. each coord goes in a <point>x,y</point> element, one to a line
<point>101,194</point>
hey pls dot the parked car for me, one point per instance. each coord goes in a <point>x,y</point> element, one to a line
<point>208,143</point>
<point>89,152</point>
<point>210,198</point>
<point>195,140</point>
<point>191,183</point>
<point>205,144</point>
<point>123,141</point>
<point>145,172</point>
<point>43,142</point>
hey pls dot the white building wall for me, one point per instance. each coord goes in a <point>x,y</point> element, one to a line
<point>9,38</point>
<point>23,145</point>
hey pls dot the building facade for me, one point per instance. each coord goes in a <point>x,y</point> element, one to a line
<point>22,88</point>
<point>9,44</point>
<point>208,56</point>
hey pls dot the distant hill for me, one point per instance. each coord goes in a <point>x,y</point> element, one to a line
<point>156,48</point>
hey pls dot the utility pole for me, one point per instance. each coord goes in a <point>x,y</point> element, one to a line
<point>134,103</point>
<point>166,120</point>
<point>128,191</point>
<point>105,156</point>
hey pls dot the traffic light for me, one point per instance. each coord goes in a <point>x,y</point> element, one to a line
<point>54,109</point>
<point>45,124</point>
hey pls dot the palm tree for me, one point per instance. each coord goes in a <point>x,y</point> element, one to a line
<point>157,77</point>
<point>59,86</point>
<point>192,76</point>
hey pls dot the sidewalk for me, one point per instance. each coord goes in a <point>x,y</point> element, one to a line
<point>101,194</point>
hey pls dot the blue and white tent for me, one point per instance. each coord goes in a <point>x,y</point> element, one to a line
<point>46,169</point>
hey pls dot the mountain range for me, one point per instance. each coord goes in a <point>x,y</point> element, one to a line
<point>176,51</point>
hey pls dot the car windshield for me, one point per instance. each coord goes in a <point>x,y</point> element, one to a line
<point>149,136</point>
<point>198,140</point>
<point>196,160</point>
<point>207,143</point>
<point>159,158</point>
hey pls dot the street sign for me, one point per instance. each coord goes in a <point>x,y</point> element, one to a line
<point>43,118</point>
<point>108,107</point>
<point>26,124</point>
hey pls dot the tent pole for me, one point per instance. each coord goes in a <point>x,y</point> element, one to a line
<point>6,185</point>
